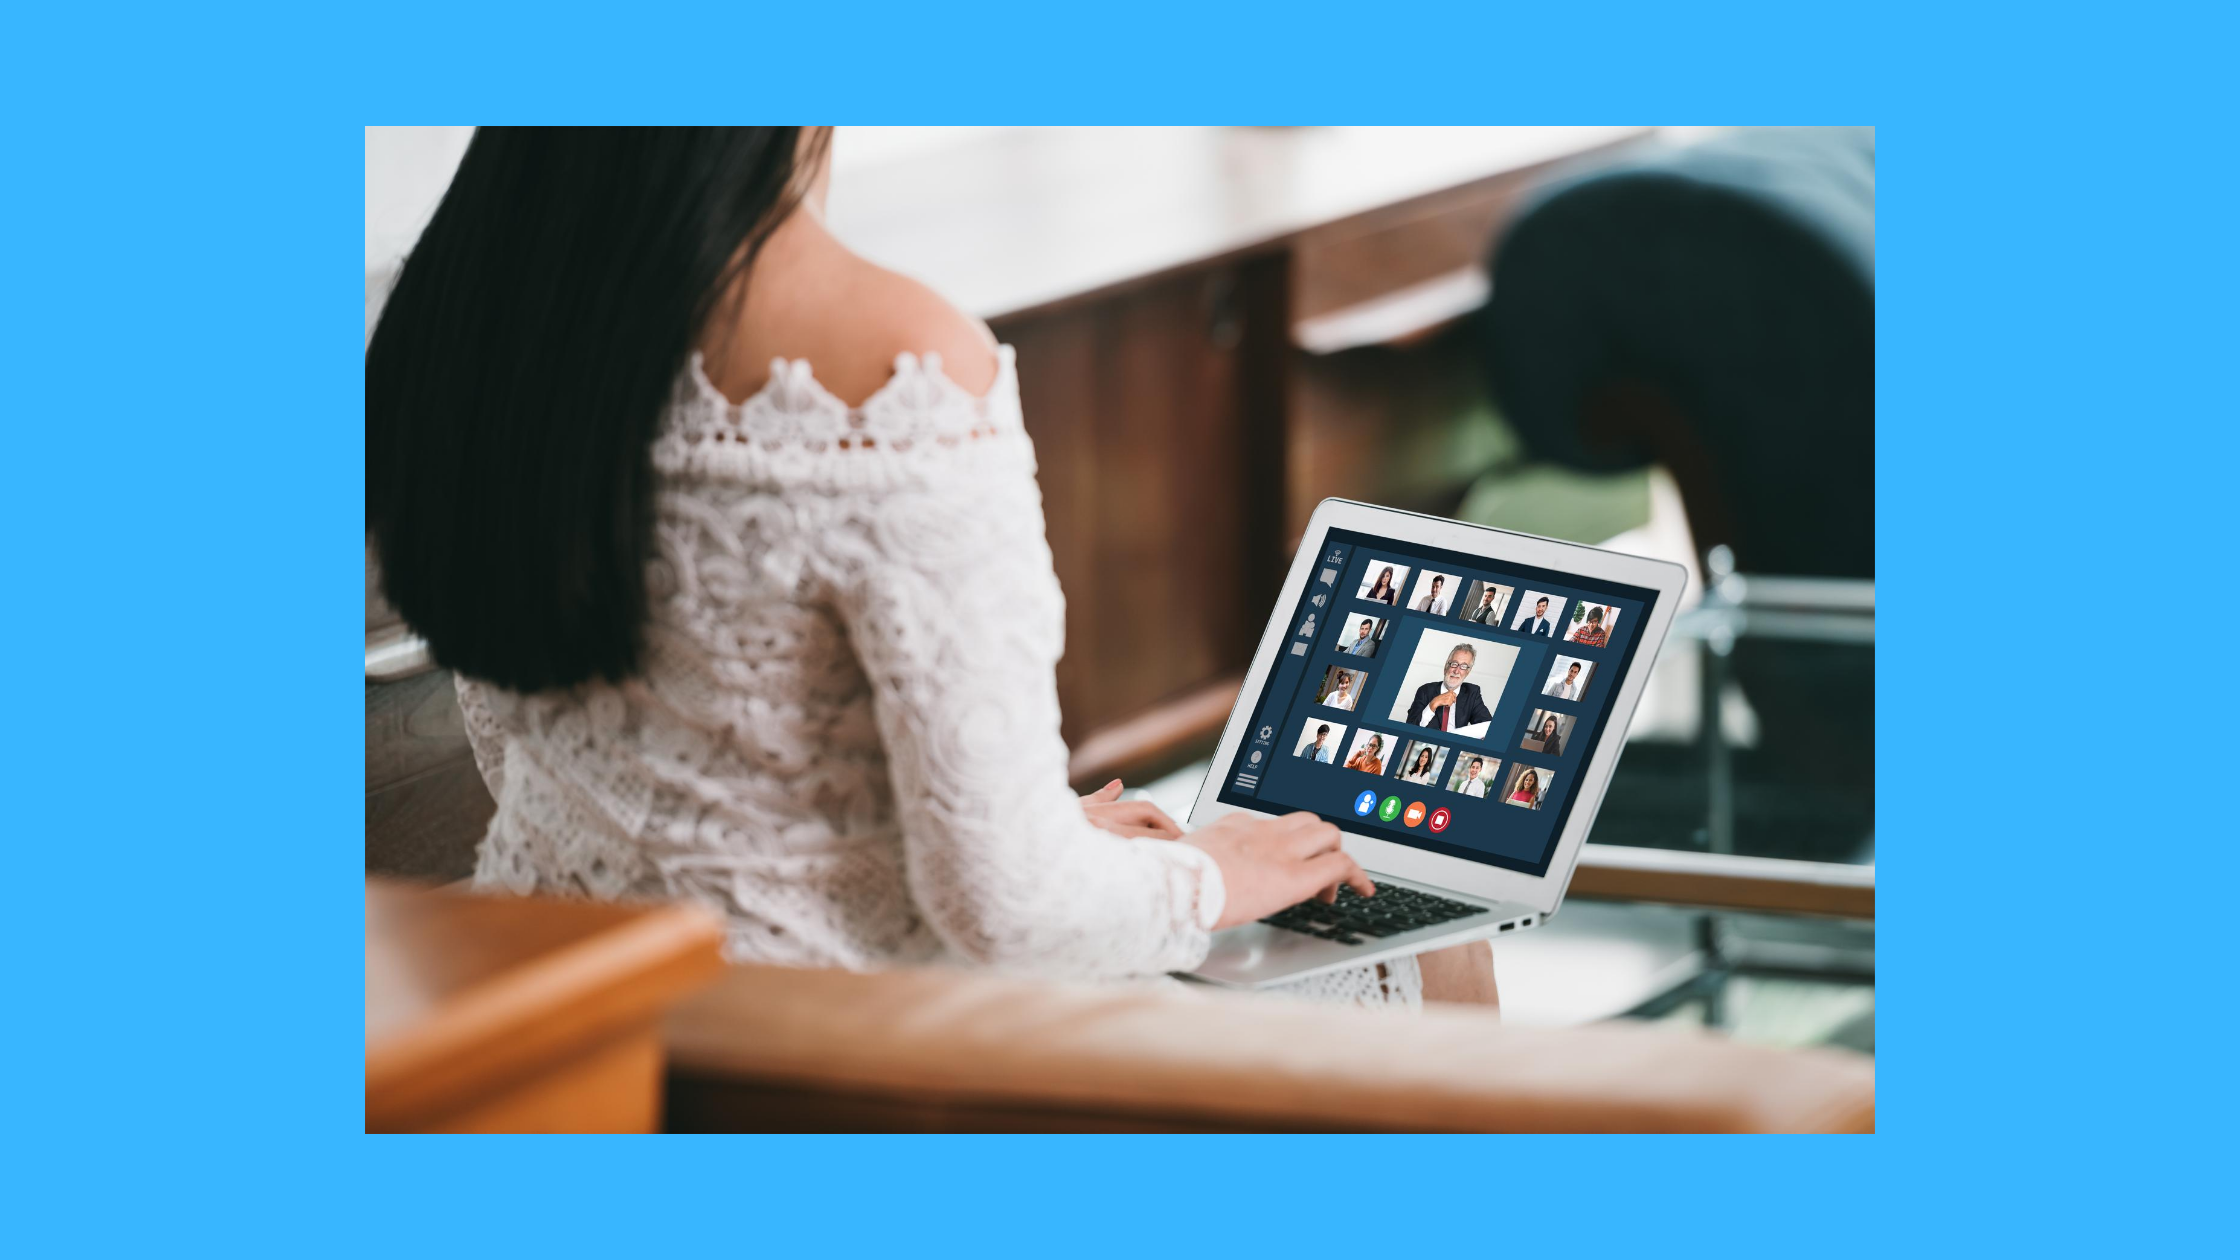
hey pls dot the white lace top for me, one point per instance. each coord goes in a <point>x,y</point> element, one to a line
<point>844,736</point>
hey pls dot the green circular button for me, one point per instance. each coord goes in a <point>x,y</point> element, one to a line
<point>1390,809</point>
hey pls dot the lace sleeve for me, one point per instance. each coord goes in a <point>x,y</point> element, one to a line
<point>957,619</point>
<point>484,736</point>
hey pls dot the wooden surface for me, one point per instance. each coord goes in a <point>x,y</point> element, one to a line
<point>497,1013</point>
<point>1724,882</point>
<point>1147,421</point>
<point>771,1048</point>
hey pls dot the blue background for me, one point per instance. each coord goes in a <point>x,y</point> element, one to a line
<point>184,521</point>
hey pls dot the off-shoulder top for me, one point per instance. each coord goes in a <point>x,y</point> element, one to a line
<point>844,734</point>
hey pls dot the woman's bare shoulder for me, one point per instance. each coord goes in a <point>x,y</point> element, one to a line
<point>810,298</point>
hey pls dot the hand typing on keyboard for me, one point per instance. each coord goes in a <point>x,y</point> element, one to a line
<point>1349,918</point>
<point>1271,862</point>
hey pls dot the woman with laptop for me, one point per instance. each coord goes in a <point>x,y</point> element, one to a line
<point>733,541</point>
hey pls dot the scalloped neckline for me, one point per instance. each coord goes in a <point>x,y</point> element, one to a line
<point>906,365</point>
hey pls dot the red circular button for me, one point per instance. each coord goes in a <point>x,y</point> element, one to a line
<point>1440,818</point>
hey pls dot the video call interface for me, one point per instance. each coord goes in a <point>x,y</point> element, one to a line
<point>1434,699</point>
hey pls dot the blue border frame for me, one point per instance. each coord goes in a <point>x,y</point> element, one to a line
<point>184,516</point>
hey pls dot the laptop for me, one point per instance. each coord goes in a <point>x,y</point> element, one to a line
<point>1454,698</point>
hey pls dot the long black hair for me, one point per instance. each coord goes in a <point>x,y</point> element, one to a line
<point>515,381</point>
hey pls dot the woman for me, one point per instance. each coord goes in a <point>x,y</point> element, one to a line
<point>1528,790</point>
<point>1384,592</point>
<point>1591,634</point>
<point>1420,772</point>
<point>1342,696</point>
<point>734,543</point>
<point>1369,757</point>
<point>1550,742</point>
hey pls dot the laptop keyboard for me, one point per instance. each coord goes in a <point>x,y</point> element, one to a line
<point>1355,918</point>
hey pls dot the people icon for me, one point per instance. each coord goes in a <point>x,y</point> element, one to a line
<point>1433,601</point>
<point>1472,777</point>
<point>1338,688</point>
<point>1369,755</point>
<point>1591,632</point>
<point>1488,611</point>
<point>1386,588</point>
<point>1451,701</point>
<point>1538,621</point>
<point>1566,680</point>
<point>1364,642</point>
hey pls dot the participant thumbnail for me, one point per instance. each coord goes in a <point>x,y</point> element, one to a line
<point>1548,733</point>
<point>1538,613</point>
<point>1435,593</point>
<point>1568,680</point>
<point>1452,683</point>
<point>1362,636</point>
<point>1319,741</point>
<point>1474,775</point>
<point>1341,688</point>
<point>1367,754</point>
<point>1421,761</point>
<point>1590,624</point>
<point>1484,603</point>
<point>1527,786</point>
<point>1382,582</point>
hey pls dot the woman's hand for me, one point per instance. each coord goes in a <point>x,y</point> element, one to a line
<point>1269,863</point>
<point>1128,818</point>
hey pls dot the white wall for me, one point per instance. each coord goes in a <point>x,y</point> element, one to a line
<point>407,169</point>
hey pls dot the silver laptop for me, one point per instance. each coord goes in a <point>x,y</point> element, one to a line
<point>1454,698</point>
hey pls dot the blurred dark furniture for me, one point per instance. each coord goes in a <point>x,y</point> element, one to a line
<point>1708,308</point>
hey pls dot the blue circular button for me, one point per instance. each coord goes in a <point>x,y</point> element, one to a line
<point>1365,802</point>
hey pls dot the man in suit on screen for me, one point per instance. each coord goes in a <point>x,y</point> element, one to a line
<point>1450,702</point>
<point>1485,614</point>
<point>1539,622</point>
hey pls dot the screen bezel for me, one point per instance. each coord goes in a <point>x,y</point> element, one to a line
<point>1541,892</point>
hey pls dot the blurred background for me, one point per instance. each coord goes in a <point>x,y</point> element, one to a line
<point>1658,340</point>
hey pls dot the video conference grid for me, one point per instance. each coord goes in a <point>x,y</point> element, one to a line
<point>1394,583</point>
<point>1429,592</point>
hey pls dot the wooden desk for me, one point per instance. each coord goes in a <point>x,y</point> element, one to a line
<point>509,1015</point>
<point>1725,881</point>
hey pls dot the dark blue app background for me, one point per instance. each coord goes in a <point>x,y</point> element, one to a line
<point>1267,775</point>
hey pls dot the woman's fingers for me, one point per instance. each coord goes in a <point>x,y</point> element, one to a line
<point>1108,793</point>
<point>1332,869</point>
<point>1134,818</point>
<point>1146,814</point>
<point>1307,842</point>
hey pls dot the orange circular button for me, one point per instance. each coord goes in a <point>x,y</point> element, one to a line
<point>1414,814</point>
<point>1440,818</point>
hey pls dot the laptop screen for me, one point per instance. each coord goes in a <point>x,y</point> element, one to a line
<point>1438,699</point>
